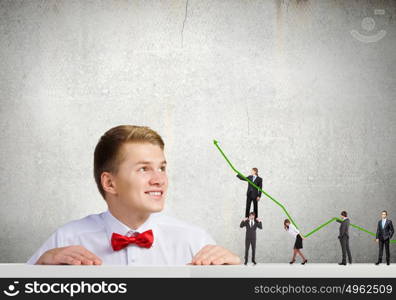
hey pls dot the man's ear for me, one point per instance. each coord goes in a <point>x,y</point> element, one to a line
<point>108,183</point>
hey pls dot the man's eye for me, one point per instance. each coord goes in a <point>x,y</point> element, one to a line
<point>163,169</point>
<point>142,169</point>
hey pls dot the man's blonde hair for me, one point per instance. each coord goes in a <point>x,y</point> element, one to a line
<point>108,156</point>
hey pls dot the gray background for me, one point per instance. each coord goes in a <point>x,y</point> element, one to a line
<point>282,85</point>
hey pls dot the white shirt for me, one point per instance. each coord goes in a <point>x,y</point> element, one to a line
<point>175,242</point>
<point>383,223</point>
<point>251,223</point>
<point>293,230</point>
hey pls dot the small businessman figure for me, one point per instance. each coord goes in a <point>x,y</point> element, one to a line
<point>251,225</point>
<point>344,238</point>
<point>252,194</point>
<point>383,236</point>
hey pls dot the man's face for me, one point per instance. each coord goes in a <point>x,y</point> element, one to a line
<point>253,172</point>
<point>141,181</point>
<point>383,215</point>
<point>251,217</point>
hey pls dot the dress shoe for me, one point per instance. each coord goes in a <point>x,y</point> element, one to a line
<point>377,263</point>
<point>304,262</point>
<point>342,263</point>
<point>388,263</point>
<point>254,262</point>
<point>245,262</point>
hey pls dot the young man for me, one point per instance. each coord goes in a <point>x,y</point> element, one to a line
<point>344,238</point>
<point>251,225</point>
<point>130,172</point>
<point>384,234</point>
<point>252,194</point>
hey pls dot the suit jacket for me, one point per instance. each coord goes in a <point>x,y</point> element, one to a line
<point>252,192</point>
<point>344,228</point>
<point>385,233</point>
<point>251,231</point>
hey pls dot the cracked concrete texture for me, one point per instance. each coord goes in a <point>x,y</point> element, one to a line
<point>184,23</point>
<point>282,85</point>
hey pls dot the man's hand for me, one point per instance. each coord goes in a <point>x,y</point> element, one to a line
<point>71,255</point>
<point>258,220</point>
<point>377,240</point>
<point>215,255</point>
<point>245,219</point>
<point>258,199</point>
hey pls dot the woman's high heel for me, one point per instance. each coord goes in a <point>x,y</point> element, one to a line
<point>292,262</point>
<point>304,262</point>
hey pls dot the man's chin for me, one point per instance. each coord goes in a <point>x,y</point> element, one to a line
<point>154,205</point>
<point>157,207</point>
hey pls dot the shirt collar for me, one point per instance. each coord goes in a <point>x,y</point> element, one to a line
<point>112,224</point>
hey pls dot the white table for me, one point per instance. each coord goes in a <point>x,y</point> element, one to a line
<point>257,271</point>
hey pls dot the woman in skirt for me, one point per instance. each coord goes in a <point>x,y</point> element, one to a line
<point>298,243</point>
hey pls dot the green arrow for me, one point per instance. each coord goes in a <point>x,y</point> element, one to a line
<point>282,207</point>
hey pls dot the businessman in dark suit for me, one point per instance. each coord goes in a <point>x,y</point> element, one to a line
<point>383,236</point>
<point>344,238</point>
<point>252,194</point>
<point>251,225</point>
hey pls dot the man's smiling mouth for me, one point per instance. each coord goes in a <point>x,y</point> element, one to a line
<point>155,193</point>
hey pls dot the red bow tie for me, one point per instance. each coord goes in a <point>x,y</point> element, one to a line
<point>144,239</point>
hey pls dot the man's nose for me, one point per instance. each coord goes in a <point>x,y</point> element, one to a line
<point>158,178</point>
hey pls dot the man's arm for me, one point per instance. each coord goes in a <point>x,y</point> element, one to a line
<point>259,224</point>
<point>240,177</point>
<point>55,252</point>
<point>391,229</point>
<point>206,252</point>
<point>70,255</point>
<point>378,231</point>
<point>346,231</point>
<point>215,255</point>
<point>260,185</point>
<point>243,223</point>
<point>344,226</point>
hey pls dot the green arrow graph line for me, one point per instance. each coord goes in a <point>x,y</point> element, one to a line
<point>281,205</point>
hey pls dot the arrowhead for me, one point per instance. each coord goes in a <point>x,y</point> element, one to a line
<point>215,142</point>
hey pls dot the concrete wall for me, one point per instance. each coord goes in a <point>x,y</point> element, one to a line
<point>285,86</point>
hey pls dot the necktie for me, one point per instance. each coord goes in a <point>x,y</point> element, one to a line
<point>144,239</point>
<point>251,223</point>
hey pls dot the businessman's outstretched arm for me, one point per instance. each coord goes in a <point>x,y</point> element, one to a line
<point>243,223</point>
<point>240,177</point>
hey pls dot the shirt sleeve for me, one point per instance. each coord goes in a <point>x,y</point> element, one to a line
<point>52,242</point>
<point>295,229</point>
<point>201,239</point>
